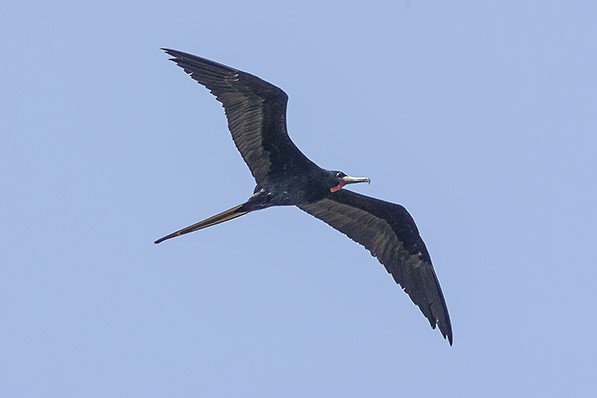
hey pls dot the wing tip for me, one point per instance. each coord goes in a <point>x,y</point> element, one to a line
<point>444,325</point>
<point>446,330</point>
<point>448,336</point>
<point>175,54</point>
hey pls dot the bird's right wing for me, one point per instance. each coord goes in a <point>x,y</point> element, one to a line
<point>390,234</point>
<point>256,113</point>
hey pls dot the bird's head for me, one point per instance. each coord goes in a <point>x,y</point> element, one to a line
<point>340,179</point>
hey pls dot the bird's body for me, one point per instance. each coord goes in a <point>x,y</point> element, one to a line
<point>256,113</point>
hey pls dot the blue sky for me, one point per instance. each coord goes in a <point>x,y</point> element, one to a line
<point>479,117</point>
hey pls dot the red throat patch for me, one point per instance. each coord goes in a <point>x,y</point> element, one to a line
<point>338,187</point>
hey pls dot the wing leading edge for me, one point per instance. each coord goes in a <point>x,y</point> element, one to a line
<point>256,114</point>
<point>388,231</point>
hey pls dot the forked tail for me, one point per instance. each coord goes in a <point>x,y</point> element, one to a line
<point>218,218</point>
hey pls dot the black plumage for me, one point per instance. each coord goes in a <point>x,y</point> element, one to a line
<point>256,114</point>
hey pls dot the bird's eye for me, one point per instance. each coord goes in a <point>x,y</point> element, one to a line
<point>340,174</point>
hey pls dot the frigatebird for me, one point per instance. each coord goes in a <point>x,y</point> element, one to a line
<point>256,114</point>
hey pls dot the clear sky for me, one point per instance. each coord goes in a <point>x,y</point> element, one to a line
<point>480,117</point>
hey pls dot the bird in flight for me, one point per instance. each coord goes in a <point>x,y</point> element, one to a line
<point>256,114</point>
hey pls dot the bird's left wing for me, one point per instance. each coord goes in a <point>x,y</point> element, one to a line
<point>388,231</point>
<point>256,113</point>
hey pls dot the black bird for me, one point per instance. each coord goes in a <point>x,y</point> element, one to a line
<point>256,113</point>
